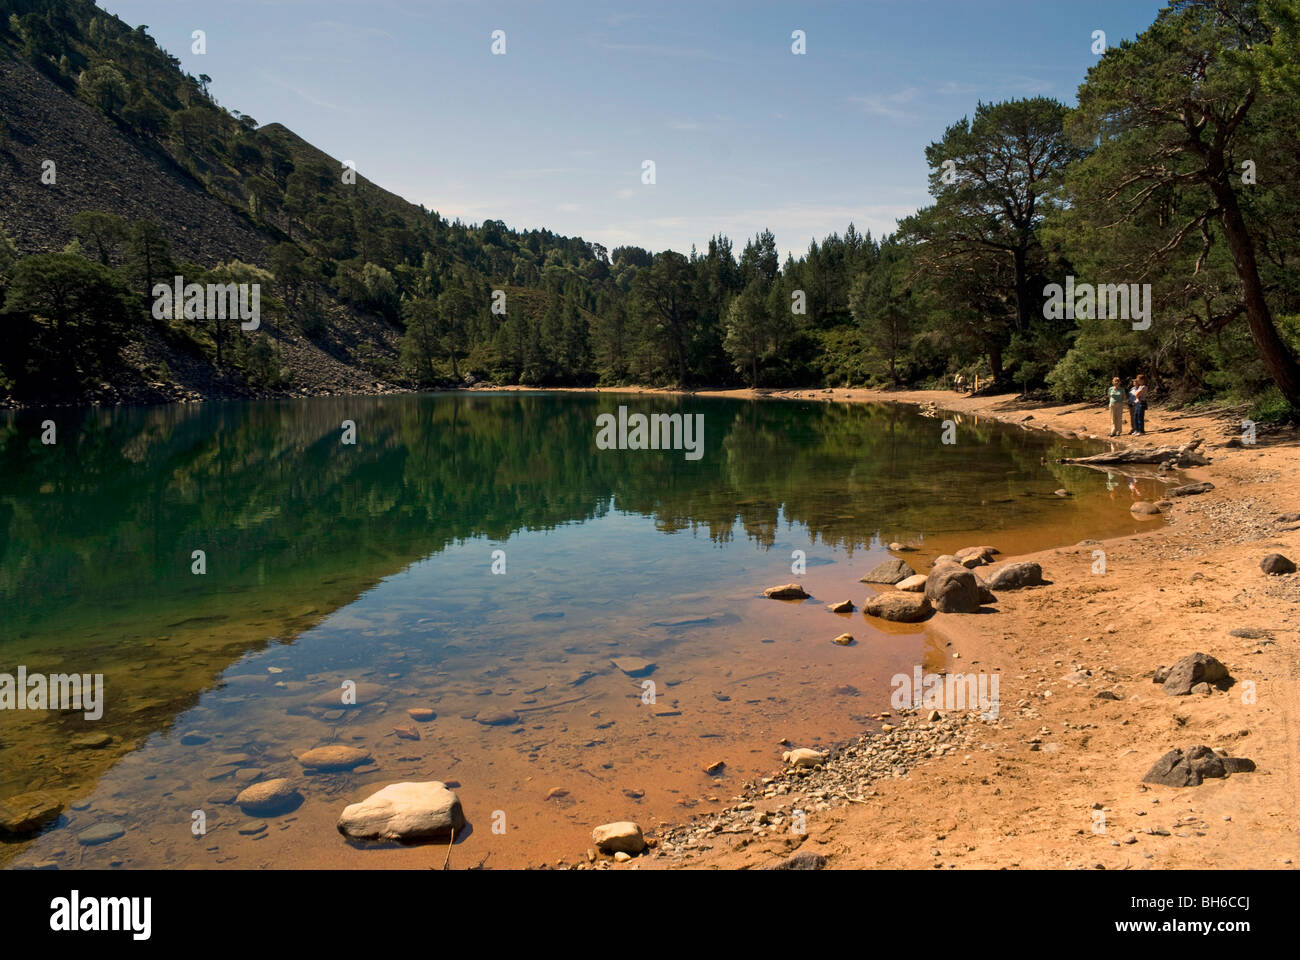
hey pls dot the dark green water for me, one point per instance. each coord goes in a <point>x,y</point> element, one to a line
<point>375,561</point>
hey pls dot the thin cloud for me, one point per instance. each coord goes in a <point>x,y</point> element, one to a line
<point>886,105</point>
<point>299,91</point>
<point>663,50</point>
<point>348,31</point>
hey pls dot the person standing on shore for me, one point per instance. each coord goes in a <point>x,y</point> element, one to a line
<point>1139,406</point>
<point>1115,396</point>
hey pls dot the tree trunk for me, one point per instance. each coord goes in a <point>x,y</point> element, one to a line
<point>995,359</point>
<point>1277,357</point>
<point>1184,455</point>
<point>1022,292</point>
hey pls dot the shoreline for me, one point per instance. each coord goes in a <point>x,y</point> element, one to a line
<point>1055,780</point>
<point>901,774</point>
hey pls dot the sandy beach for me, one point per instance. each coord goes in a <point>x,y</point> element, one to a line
<point>1056,780</point>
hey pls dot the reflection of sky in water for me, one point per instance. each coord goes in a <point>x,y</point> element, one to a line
<point>577,580</point>
<point>669,567</point>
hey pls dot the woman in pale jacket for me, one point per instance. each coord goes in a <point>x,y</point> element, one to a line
<point>1115,396</point>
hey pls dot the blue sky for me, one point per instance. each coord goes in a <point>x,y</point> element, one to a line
<point>744,134</point>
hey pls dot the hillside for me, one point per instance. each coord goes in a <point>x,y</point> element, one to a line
<point>178,185</point>
<point>363,291</point>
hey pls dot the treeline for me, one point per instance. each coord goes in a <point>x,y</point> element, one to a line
<point>1177,170</point>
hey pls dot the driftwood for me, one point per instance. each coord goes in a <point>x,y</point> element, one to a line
<point>1184,456</point>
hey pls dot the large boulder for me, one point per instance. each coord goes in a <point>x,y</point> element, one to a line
<point>1275,563</point>
<point>1186,768</point>
<point>269,797</point>
<point>953,589</point>
<point>407,812</point>
<point>26,813</point>
<point>623,836</point>
<point>898,606</point>
<point>1190,670</point>
<point>889,571</point>
<point>1015,575</point>
<point>788,591</point>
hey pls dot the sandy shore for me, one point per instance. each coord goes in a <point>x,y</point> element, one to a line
<point>1026,790</point>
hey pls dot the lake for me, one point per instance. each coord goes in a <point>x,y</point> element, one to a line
<point>477,555</point>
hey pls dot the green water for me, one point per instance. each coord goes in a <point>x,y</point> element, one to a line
<point>327,560</point>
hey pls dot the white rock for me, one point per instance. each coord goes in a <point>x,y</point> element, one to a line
<point>803,757</point>
<point>623,836</point>
<point>404,811</point>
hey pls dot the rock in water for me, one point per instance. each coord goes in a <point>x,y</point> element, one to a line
<point>335,757</point>
<point>899,607</point>
<point>1179,768</point>
<point>889,571</point>
<point>1275,563</point>
<point>26,813</point>
<point>363,694</point>
<point>984,552</point>
<point>421,714</point>
<point>1143,508</point>
<point>497,718</point>
<point>269,797</point>
<point>634,666</point>
<point>789,591</point>
<point>100,833</point>
<point>953,589</point>
<point>1190,489</point>
<point>407,812</point>
<point>98,741</point>
<point>621,837</point>
<point>1192,669</point>
<point>844,640</point>
<point>913,584</point>
<point>844,606</point>
<point>1015,576</point>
